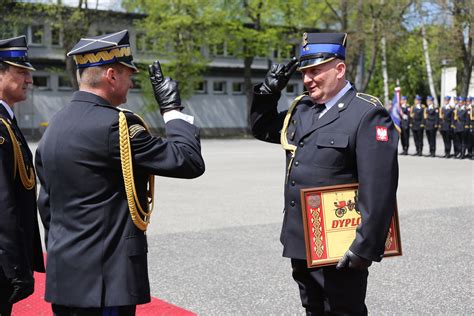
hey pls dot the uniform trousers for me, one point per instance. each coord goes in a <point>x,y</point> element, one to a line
<point>61,310</point>
<point>460,143</point>
<point>405,138</point>
<point>330,291</point>
<point>431,136</point>
<point>418,138</point>
<point>447,140</point>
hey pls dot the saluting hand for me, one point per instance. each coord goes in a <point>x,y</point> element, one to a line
<point>165,89</point>
<point>278,76</point>
<point>353,261</point>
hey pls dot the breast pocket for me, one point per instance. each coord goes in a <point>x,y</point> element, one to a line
<point>331,150</point>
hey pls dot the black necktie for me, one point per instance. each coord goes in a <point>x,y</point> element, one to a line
<point>319,109</point>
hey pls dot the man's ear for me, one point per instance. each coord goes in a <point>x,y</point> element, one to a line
<point>341,70</point>
<point>110,74</point>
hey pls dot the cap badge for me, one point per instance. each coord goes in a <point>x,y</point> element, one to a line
<point>305,40</point>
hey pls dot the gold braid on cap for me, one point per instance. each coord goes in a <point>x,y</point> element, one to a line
<point>28,178</point>
<point>283,138</point>
<point>129,181</point>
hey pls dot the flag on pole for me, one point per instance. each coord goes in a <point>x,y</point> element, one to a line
<point>396,110</point>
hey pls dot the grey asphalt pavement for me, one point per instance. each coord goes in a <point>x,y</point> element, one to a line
<point>214,241</point>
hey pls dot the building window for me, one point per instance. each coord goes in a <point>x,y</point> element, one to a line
<point>55,36</point>
<point>201,87</point>
<point>291,88</point>
<point>64,83</point>
<point>218,50</point>
<point>41,82</point>
<point>219,87</point>
<point>237,88</point>
<point>37,34</point>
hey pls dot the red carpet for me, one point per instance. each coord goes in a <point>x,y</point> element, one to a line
<point>36,306</point>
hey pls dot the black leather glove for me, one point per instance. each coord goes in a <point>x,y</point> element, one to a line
<point>165,89</point>
<point>22,288</point>
<point>353,261</point>
<point>278,76</point>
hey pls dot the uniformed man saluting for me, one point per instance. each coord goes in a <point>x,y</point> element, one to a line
<point>20,244</point>
<point>333,135</point>
<point>96,164</point>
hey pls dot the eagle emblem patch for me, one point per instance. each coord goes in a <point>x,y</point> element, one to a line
<point>381,134</point>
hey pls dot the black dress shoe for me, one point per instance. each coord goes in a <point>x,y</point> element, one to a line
<point>432,154</point>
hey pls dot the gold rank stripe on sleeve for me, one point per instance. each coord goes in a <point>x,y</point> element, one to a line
<point>28,178</point>
<point>135,129</point>
<point>369,98</point>
<point>129,180</point>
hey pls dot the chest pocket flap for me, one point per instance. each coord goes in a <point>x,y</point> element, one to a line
<point>334,140</point>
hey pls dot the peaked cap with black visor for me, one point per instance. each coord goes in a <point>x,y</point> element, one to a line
<point>14,51</point>
<point>103,50</point>
<point>320,48</point>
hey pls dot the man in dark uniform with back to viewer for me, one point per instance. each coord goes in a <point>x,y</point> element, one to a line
<point>96,164</point>
<point>20,243</point>
<point>332,135</point>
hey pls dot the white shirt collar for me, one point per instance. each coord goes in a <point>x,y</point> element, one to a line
<point>8,108</point>
<point>331,102</point>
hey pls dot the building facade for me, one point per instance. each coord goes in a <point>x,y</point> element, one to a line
<point>218,104</point>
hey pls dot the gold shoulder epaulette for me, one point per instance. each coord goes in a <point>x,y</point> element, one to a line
<point>369,98</point>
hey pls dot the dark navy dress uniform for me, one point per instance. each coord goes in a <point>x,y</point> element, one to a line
<point>405,127</point>
<point>339,148</point>
<point>446,124</point>
<point>353,141</point>
<point>97,254</point>
<point>461,131</point>
<point>20,244</point>
<point>417,126</point>
<point>471,128</point>
<point>431,127</point>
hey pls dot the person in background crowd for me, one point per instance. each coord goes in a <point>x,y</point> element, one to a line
<point>471,127</point>
<point>431,116</point>
<point>405,124</point>
<point>446,123</point>
<point>461,129</point>
<point>418,124</point>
